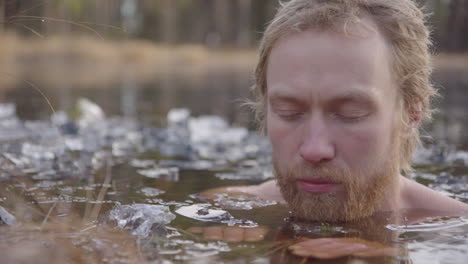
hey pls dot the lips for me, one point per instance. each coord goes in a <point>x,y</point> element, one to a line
<point>317,185</point>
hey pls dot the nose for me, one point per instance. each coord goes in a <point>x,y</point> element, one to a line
<point>316,144</point>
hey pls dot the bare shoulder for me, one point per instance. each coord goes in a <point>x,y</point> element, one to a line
<point>418,196</point>
<point>267,191</point>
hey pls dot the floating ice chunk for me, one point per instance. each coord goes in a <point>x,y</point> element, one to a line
<point>42,130</point>
<point>38,152</point>
<point>214,129</point>
<point>89,112</point>
<point>11,130</point>
<point>137,163</point>
<point>178,116</point>
<point>203,212</point>
<point>170,174</point>
<point>430,224</point>
<point>459,157</point>
<point>130,144</point>
<point>6,217</point>
<point>74,143</point>
<point>151,192</point>
<point>59,118</point>
<point>141,219</point>
<point>193,165</point>
<point>253,174</point>
<point>206,128</point>
<point>7,110</point>
<point>240,202</point>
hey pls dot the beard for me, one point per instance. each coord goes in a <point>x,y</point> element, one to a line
<point>360,194</point>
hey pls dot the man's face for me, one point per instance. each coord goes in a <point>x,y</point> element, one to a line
<point>332,120</point>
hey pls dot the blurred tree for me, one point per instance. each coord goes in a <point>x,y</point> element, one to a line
<point>457,26</point>
<point>169,21</point>
<point>216,23</point>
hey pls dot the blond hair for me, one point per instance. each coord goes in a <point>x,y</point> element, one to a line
<point>401,23</point>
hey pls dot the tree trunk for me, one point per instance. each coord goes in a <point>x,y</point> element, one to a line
<point>243,35</point>
<point>169,21</point>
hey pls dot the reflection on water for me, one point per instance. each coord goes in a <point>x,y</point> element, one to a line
<point>126,189</point>
<point>116,190</point>
<point>216,92</point>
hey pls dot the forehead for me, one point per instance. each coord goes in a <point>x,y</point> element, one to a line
<point>329,60</point>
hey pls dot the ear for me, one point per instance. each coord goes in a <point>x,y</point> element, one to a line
<point>414,117</point>
<point>411,120</point>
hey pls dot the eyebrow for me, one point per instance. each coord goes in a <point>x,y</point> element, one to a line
<point>349,96</point>
<point>355,96</point>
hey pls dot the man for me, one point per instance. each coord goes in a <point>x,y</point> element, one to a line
<point>341,89</point>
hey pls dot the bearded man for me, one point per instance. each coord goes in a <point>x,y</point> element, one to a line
<point>341,88</point>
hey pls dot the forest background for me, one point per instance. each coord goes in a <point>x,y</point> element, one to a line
<point>72,48</point>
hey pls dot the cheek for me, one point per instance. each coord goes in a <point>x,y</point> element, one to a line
<point>283,138</point>
<point>363,146</point>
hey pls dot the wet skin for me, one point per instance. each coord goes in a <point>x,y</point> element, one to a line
<point>332,101</point>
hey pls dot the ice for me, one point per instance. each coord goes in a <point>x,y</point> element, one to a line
<point>151,192</point>
<point>141,219</point>
<point>203,212</point>
<point>129,144</point>
<point>208,138</point>
<point>7,110</point>
<point>240,202</point>
<point>74,143</point>
<point>40,152</point>
<point>77,148</point>
<point>253,174</point>
<point>137,163</point>
<point>207,213</point>
<point>11,130</point>
<point>178,116</point>
<point>194,164</point>
<point>430,225</point>
<point>6,217</point>
<point>170,174</point>
<point>440,153</point>
<point>89,112</point>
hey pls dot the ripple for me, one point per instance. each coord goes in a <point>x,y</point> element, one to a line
<point>430,225</point>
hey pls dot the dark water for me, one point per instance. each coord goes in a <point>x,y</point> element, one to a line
<point>216,92</point>
<point>63,202</point>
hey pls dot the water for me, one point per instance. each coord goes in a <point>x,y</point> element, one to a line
<point>123,185</point>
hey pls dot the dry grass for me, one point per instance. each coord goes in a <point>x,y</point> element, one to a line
<point>451,61</point>
<point>86,61</point>
<point>58,233</point>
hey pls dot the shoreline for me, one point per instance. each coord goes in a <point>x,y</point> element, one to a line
<point>87,61</point>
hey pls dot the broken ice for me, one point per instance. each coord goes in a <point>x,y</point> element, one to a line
<point>141,219</point>
<point>6,217</point>
<point>170,174</point>
<point>205,212</point>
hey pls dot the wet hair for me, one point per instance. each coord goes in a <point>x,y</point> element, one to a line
<point>400,22</point>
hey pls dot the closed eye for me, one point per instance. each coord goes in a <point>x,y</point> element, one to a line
<point>353,116</point>
<point>289,115</point>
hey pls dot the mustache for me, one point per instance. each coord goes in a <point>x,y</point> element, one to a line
<point>322,171</point>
